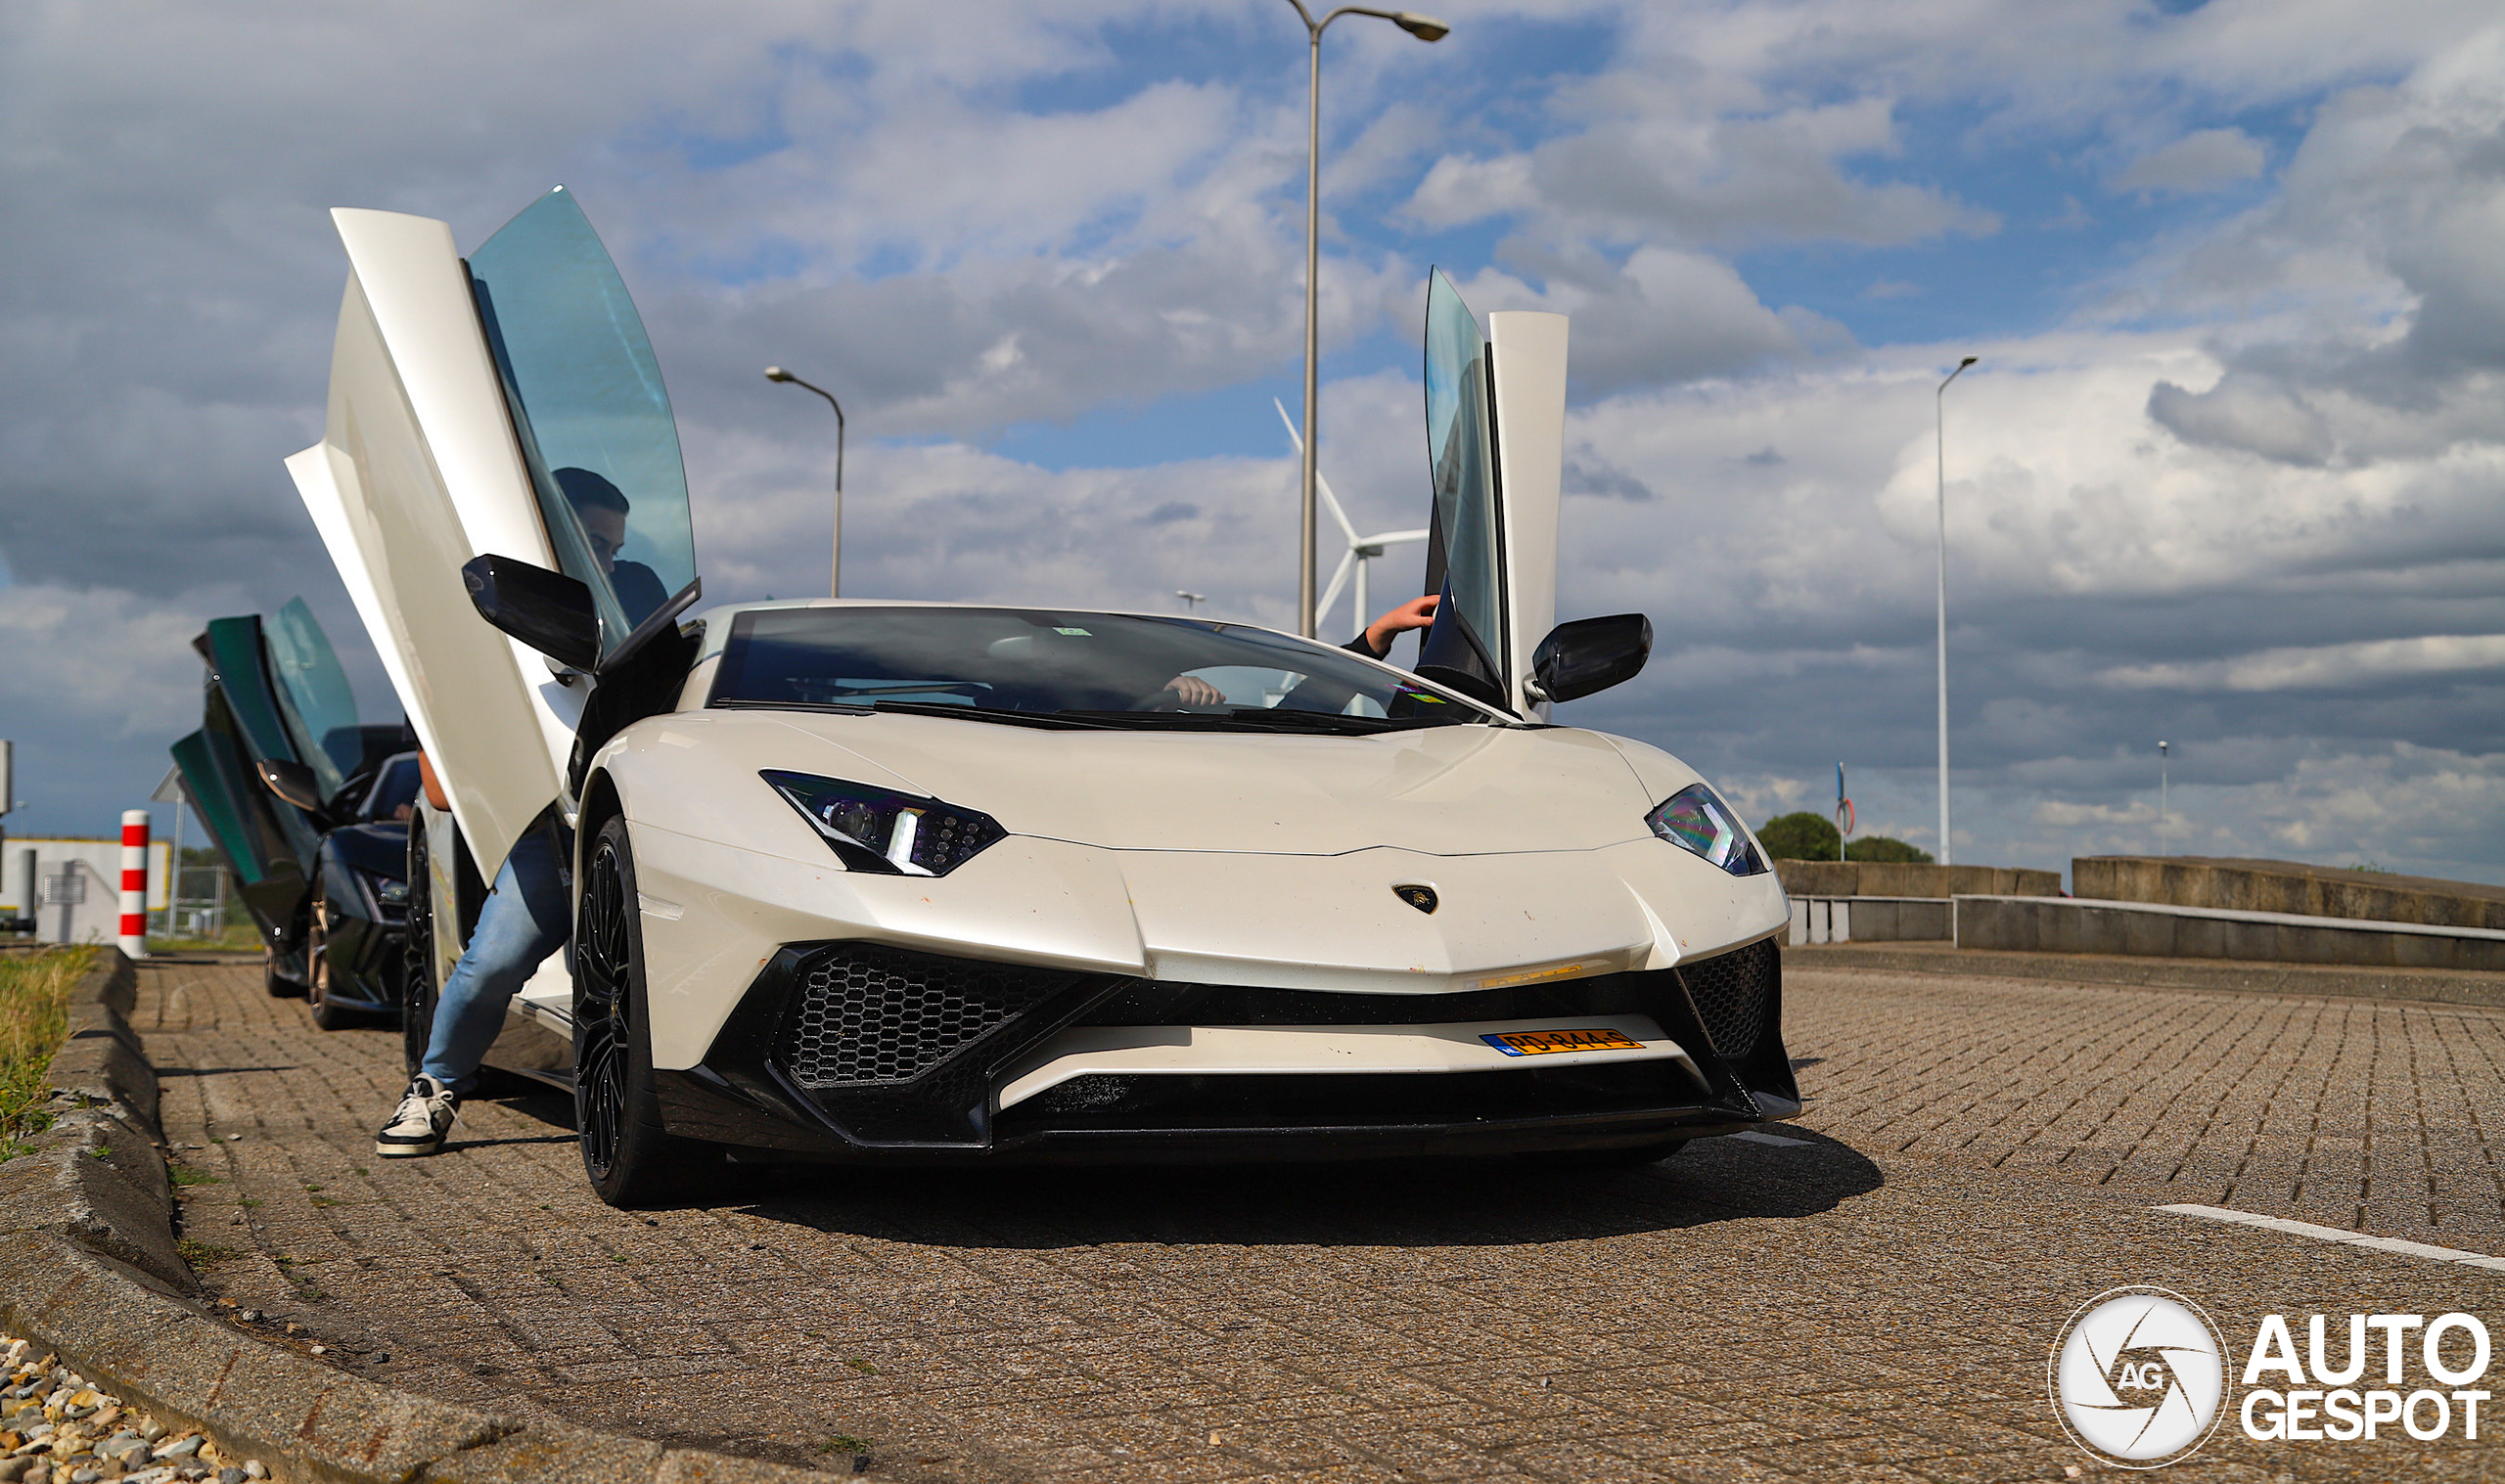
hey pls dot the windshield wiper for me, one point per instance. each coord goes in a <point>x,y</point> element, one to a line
<point>1051,721</point>
<point>755,704</point>
<point>1256,719</point>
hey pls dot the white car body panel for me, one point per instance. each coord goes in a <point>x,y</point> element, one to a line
<point>1168,1050</point>
<point>1241,793</point>
<point>1582,888</point>
<point>427,474</point>
<point>1528,363</point>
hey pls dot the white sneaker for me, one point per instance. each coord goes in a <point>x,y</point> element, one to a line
<point>425,1114</point>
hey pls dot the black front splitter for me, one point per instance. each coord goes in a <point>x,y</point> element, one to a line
<point>777,1130</point>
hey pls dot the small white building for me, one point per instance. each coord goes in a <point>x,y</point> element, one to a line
<point>74,890</point>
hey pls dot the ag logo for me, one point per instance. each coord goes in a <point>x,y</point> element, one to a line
<point>2137,1376</point>
<point>1421,897</point>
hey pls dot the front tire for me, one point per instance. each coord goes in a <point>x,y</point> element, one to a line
<point>275,980</point>
<point>630,1159</point>
<point>416,995</point>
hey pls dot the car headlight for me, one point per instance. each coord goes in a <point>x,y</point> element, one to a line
<point>1693,820</point>
<point>878,831</point>
<point>389,892</point>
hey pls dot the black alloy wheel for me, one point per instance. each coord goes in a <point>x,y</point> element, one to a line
<point>317,972</point>
<point>631,1160</point>
<point>417,949</point>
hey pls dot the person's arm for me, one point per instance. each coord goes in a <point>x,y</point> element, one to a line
<point>430,784</point>
<point>1376,642</point>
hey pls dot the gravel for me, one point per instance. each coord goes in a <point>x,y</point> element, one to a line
<point>63,1430</point>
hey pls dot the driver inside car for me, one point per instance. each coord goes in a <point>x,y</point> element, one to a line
<point>1374,644</point>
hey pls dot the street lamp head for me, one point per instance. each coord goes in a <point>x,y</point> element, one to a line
<point>777,374</point>
<point>1424,27</point>
<point>1969,361</point>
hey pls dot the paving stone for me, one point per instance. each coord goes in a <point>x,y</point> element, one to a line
<point>1981,1157</point>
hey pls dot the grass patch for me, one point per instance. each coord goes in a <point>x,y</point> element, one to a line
<point>239,936</point>
<point>200,1254</point>
<point>34,1022</point>
<point>184,1175</point>
<point>844,1442</point>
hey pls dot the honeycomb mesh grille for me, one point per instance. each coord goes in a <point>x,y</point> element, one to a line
<point>864,1015</point>
<point>1733,992</point>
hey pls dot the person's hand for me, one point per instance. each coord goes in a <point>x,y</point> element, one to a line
<point>1416,614</point>
<point>1196,691</point>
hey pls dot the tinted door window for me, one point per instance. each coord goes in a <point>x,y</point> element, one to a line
<point>1463,556</point>
<point>587,401</point>
<point>313,697</point>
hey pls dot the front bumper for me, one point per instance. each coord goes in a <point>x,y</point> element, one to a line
<point>857,1053</point>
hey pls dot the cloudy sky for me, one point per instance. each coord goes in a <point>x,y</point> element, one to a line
<point>2228,473</point>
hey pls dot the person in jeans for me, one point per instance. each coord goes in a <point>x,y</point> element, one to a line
<point>527,918</point>
<point>526,915</point>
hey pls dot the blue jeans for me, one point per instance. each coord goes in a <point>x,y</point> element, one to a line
<point>524,920</point>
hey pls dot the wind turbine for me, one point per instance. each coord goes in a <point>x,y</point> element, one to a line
<point>1361,548</point>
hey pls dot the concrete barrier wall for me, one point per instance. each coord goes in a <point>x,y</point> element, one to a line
<point>1869,919</point>
<point>1874,879</point>
<point>2061,925</point>
<point>2287,887</point>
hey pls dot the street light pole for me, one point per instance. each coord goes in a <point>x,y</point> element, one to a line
<point>1425,29</point>
<point>1939,420</point>
<point>834,563</point>
<point>2160,798</point>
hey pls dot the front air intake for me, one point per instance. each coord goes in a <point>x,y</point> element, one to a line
<point>1733,993</point>
<point>864,1015</point>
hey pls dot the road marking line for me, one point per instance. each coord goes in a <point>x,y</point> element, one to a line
<point>2335,1233</point>
<point>1754,1136</point>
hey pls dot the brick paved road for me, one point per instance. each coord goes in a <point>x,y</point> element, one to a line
<point>1875,1303</point>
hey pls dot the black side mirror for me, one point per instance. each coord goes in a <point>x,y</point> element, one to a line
<point>547,610</point>
<point>292,782</point>
<point>1590,654</point>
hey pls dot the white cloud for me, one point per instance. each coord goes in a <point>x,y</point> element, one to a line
<point>1649,174</point>
<point>2203,161</point>
<point>2378,661</point>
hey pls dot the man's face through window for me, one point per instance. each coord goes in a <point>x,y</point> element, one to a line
<point>606,531</point>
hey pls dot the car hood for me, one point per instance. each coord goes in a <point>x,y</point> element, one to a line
<point>1444,791</point>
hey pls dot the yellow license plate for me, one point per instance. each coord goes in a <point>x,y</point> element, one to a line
<point>1543,1043</point>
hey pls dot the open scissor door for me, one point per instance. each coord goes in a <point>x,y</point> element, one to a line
<point>506,405</point>
<point>1495,448</point>
<point>270,843</point>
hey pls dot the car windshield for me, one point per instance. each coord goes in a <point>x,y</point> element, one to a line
<point>1047,667</point>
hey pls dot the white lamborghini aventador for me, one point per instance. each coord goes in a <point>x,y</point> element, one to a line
<point>885,880</point>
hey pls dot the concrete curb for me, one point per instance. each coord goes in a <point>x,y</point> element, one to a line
<point>89,1267</point>
<point>2422,985</point>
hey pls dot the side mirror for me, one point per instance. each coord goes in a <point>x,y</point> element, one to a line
<point>1590,654</point>
<point>547,610</point>
<point>292,782</point>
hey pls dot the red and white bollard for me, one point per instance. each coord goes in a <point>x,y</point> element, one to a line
<point>134,882</point>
